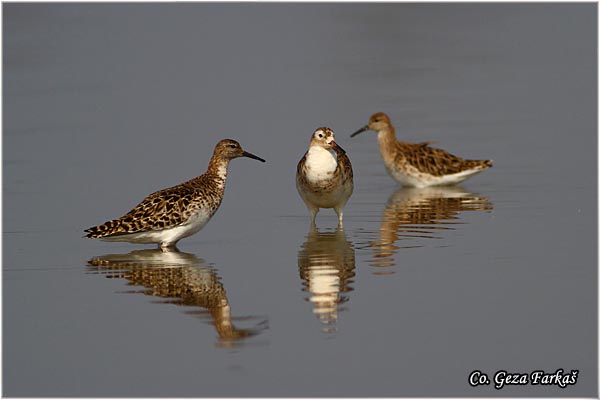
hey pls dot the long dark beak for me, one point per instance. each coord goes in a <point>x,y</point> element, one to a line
<point>364,128</point>
<point>250,155</point>
<point>337,146</point>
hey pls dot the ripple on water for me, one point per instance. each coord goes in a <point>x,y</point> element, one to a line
<point>412,216</point>
<point>181,279</point>
<point>326,265</point>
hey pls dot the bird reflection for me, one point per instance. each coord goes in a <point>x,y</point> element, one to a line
<point>326,266</point>
<point>183,279</point>
<point>412,214</point>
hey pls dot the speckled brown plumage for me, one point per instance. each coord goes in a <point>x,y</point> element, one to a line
<point>167,208</point>
<point>168,215</point>
<point>419,164</point>
<point>436,162</point>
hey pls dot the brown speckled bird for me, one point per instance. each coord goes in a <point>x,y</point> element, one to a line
<point>169,215</point>
<point>324,176</point>
<point>418,164</point>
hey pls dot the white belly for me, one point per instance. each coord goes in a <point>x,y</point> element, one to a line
<point>414,178</point>
<point>337,197</point>
<point>168,236</point>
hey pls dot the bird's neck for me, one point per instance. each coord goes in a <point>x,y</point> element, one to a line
<point>217,168</point>
<point>387,142</point>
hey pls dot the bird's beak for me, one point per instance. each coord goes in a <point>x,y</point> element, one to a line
<point>250,155</point>
<point>337,146</point>
<point>364,128</point>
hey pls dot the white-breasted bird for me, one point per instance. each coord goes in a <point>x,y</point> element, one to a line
<point>324,177</point>
<point>417,164</point>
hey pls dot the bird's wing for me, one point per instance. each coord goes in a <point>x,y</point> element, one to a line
<point>163,209</point>
<point>437,162</point>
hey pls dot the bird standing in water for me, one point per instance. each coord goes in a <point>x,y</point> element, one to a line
<point>171,214</point>
<point>418,164</point>
<point>324,177</point>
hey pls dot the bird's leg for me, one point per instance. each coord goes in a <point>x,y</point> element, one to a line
<point>313,216</point>
<point>340,214</point>
<point>166,247</point>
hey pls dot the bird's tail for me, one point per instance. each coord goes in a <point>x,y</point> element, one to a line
<point>480,164</point>
<point>108,228</point>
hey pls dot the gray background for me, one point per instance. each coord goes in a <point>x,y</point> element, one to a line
<point>104,104</point>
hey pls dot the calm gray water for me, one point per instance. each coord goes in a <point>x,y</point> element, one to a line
<point>106,103</point>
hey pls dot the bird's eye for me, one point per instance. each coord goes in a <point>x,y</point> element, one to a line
<point>321,135</point>
<point>232,146</point>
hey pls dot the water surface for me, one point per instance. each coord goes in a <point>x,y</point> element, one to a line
<point>106,103</point>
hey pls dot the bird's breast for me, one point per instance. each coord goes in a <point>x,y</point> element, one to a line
<point>320,165</point>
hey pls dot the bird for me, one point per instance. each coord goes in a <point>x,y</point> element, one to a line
<point>324,176</point>
<point>169,215</point>
<point>417,164</point>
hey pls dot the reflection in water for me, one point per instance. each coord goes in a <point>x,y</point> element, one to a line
<point>181,277</point>
<point>411,214</point>
<point>326,266</point>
